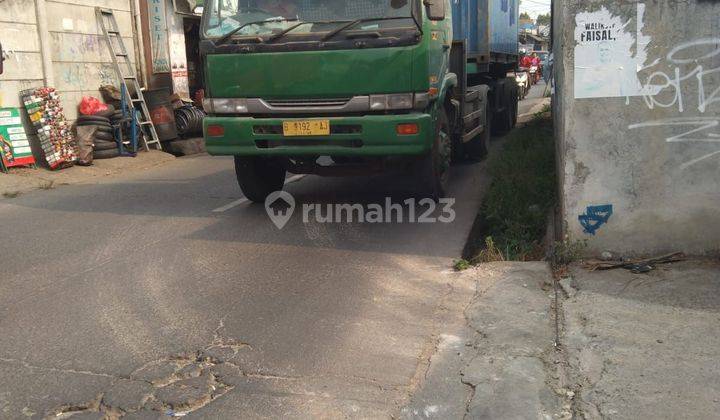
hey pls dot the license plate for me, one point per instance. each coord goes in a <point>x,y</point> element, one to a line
<point>306,128</point>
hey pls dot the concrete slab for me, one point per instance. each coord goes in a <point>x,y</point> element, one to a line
<point>500,362</point>
<point>645,345</point>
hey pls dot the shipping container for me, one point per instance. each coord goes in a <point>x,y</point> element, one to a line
<point>488,27</point>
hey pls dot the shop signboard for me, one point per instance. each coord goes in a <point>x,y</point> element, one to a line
<point>14,144</point>
<point>158,36</point>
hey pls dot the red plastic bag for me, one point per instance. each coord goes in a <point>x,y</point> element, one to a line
<point>91,106</point>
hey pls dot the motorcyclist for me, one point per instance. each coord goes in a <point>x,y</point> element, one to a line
<point>536,62</point>
<point>525,60</point>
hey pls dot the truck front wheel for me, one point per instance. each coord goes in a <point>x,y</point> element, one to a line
<point>433,171</point>
<point>259,177</point>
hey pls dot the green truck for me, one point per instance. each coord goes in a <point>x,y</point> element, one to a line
<point>342,87</point>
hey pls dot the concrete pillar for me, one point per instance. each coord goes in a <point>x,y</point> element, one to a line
<point>45,47</point>
<point>139,42</point>
<point>638,124</point>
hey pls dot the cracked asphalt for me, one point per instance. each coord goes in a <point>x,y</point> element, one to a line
<point>129,297</point>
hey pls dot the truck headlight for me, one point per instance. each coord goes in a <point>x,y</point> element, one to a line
<point>391,102</point>
<point>225,106</point>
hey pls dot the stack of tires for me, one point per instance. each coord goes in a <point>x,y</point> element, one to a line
<point>116,117</point>
<point>104,144</point>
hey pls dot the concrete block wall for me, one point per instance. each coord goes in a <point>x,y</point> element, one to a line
<point>21,43</point>
<point>79,60</point>
<point>637,110</point>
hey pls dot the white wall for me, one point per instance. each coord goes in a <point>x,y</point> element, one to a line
<point>80,60</point>
<point>637,118</point>
<point>19,37</point>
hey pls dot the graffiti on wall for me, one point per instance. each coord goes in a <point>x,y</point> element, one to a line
<point>611,60</point>
<point>595,217</point>
<point>608,55</point>
<point>687,87</point>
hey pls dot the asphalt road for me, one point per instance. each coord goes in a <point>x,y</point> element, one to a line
<point>162,289</point>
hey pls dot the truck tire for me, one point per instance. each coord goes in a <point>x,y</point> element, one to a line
<point>515,105</point>
<point>106,154</point>
<point>505,120</point>
<point>259,177</point>
<point>105,145</point>
<point>433,170</point>
<point>478,148</point>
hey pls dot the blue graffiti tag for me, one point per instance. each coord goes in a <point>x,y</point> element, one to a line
<point>596,216</point>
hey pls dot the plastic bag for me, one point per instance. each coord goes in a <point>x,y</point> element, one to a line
<point>91,106</point>
<point>85,136</point>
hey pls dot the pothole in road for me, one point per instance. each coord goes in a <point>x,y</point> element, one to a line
<point>173,386</point>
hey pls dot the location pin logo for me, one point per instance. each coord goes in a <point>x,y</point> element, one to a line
<point>280,206</point>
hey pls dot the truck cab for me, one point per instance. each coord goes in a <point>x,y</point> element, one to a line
<point>367,83</point>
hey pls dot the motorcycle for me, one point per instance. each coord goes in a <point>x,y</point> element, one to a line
<point>534,74</point>
<point>523,81</point>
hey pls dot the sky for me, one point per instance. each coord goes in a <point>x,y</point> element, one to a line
<point>535,7</point>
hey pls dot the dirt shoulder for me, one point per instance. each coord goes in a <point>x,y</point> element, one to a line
<point>22,180</point>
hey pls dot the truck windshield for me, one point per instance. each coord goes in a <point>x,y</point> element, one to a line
<point>268,17</point>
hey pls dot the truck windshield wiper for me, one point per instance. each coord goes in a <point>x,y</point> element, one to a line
<point>359,21</point>
<point>230,34</point>
<point>285,32</point>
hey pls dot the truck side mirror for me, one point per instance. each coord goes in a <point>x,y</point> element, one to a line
<point>435,9</point>
<point>2,58</point>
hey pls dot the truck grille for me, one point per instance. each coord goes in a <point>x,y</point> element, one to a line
<point>304,103</point>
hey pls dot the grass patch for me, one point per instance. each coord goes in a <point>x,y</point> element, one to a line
<point>11,194</point>
<point>512,221</point>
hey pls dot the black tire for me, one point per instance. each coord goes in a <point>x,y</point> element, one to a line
<point>106,154</point>
<point>516,105</point>
<point>102,135</point>
<point>107,113</point>
<point>259,177</point>
<point>478,148</point>
<point>504,121</point>
<point>105,145</point>
<point>88,123</point>
<point>95,118</point>
<point>433,170</point>
<point>106,129</point>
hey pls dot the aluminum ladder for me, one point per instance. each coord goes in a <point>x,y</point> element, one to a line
<point>106,18</point>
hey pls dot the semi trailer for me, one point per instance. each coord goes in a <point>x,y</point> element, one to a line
<point>344,87</point>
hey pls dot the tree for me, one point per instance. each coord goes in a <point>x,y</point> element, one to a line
<point>544,20</point>
<point>524,15</point>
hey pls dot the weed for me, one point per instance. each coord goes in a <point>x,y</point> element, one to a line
<point>514,212</point>
<point>47,185</point>
<point>567,251</point>
<point>491,252</point>
<point>540,115</point>
<point>461,265</point>
<point>11,194</point>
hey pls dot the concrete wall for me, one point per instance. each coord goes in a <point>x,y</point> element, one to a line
<point>78,61</point>
<point>637,110</point>
<point>21,43</point>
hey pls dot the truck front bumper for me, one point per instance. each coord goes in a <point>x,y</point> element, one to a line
<point>367,135</point>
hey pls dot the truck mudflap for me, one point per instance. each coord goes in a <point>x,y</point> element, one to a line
<point>367,135</point>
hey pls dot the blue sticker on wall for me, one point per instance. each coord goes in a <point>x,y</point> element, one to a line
<point>595,217</point>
